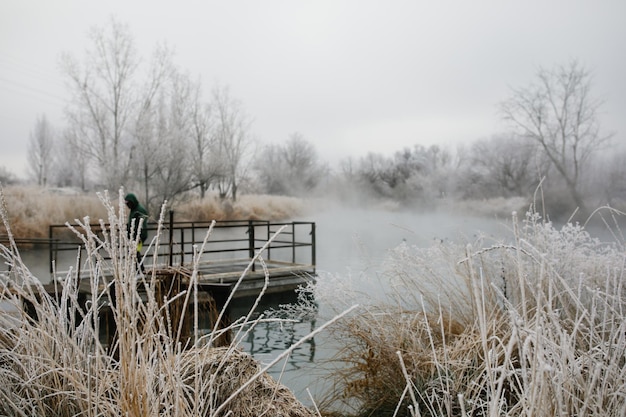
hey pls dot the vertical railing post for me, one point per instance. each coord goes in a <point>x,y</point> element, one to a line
<point>313,254</point>
<point>251,242</point>
<point>293,242</point>
<point>182,245</point>
<point>267,237</point>
<point>51,252</point>
<point>171,240</point>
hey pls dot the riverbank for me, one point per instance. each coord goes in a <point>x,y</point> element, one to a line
<point>30,210</point>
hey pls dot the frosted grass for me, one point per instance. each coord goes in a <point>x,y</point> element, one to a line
<point>531,327</point>
<point>56,364</point>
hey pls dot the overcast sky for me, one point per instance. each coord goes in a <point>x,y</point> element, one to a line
<point>350,76</point>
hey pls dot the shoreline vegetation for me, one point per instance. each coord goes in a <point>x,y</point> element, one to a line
<point>30,210</point>
<point>529,326</point>
<point>534,327</point>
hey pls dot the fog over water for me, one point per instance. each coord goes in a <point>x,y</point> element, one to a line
<point>359,237</point>
<point>351,245</point>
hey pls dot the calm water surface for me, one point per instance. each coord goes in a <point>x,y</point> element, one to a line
<point>349,241</point>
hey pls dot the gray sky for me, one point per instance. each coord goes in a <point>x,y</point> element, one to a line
<point>350,76</point>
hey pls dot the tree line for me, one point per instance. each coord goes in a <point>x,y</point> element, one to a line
<point>145,125</point>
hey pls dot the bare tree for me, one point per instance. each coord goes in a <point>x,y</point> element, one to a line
<point>40,148</point>
<point>608,181</point>
<point>173,173</point>
<point>108,96</point>
<point>232,140</point>
<point>269,166</point>
<point>204,157</point>
<point>6,176</point>
<point>70,168</point>
<point>402,177</point>
<point>370,171</point>
<point>560,115</point>
<point>145,148</point>
<point>161,152</point>
<point>429,172</point>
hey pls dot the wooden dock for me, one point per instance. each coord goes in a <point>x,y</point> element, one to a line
<point>281,276</point>
<point>239,259</point>
<point>286,261</point>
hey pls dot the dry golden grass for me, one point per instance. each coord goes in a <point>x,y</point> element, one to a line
<point>247,207</point>
<point>31,210</point>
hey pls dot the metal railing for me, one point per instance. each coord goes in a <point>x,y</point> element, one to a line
<point>180,242</point>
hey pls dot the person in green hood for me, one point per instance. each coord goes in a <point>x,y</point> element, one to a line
<point>137,213</point>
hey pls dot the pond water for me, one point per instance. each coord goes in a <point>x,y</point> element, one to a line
<point>348,240</point>
<point>354,242</point>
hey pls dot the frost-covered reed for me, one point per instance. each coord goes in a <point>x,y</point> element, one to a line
<point>53,362</point>
<point>530,327</point>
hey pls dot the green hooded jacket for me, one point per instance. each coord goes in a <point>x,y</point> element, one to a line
<point>137,212</point>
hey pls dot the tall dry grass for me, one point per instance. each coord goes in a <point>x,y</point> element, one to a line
<point>530,327</point>
<point>57,365</point>
<point>31,210</point>
<point>246,207</point>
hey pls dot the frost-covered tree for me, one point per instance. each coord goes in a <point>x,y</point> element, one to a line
<point>172,172</point>
<point>108,91</point>
<point>205,163</point>
<point>233,141</point>
<point>70,167</point>
<point>504,165</point>
<point>292,168</point>
<point>559,114</point>
<point>40,151</point>
<point>6,176</point>
<point>417,174</point>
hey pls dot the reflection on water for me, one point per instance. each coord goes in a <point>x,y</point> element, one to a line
<point>267,340</point>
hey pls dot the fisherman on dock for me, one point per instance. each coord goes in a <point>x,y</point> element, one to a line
<point>138,214</point>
